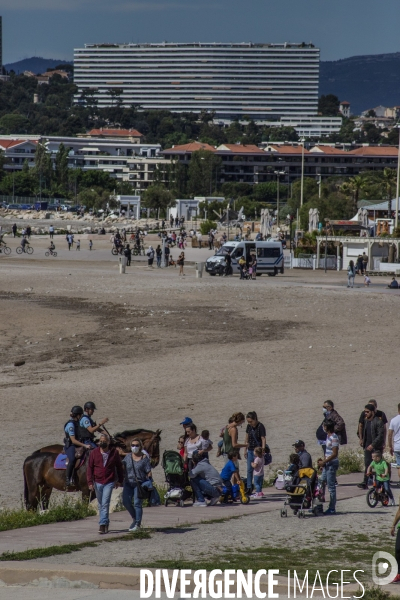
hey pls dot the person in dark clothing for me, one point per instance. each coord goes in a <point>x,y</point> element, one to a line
<point>378,413</point>
<point>72,441</point>
<point>167,253</point>
<point>128,254</point>
<point>360,265</point>
<point>255,438</point>
<point>332,415</point>
<point>393,285</point>
<point>305,457</point>
<point>371,438</point>
<point>14,230</point>
<point>228,264</point>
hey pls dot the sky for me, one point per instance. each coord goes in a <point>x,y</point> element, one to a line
<point>341,28</point>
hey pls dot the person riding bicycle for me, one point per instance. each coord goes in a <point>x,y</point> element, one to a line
<point>24,242</point>
<point>88,427</point>
<point>72,441</point>
<point>52,246</point>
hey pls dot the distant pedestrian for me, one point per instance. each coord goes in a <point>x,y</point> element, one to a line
<point>255,438</point>
<point>167,253</point>
<point>351,273</point>
<point>29,232</point>
<point>72,239</point>
<point>330,464</point>
<point>365,262</point>
<point>78,245</point>
<point>90,244</point>
<point>181,263</point>
<point>14,230</point>
<point>150,256</point>
<point>360,265</point>
<point>51,232</point>
<point>372,437</point>
<point>210,240</point>
<point>137,472</point>
<point>171,221</point>
<point>158,255</point>
<point>128,255</point>
<point>199,238</point>
<point>69,240</point>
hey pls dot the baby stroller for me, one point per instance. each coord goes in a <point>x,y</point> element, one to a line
<point>304,493</point>
<point>179,488</point>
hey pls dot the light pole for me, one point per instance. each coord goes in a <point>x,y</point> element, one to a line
<point>278,175</point>
<point>396,219</point>
<point>302,174</point>
<point>326,241</point>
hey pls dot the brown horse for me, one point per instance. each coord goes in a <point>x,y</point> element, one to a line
<point>40,476</point>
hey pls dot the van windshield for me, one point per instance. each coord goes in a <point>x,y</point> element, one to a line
<point>224,249</point>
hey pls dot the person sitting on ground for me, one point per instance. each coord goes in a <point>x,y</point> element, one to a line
<point>380,467</point>
<point>230,473</point>
<point>304,456</point>
<point>258,473</point>
<point>393,285</point>
<point>205,480</point>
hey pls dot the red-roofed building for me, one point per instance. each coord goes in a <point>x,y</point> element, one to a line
<point>130,135</point>
<point>17,151</point>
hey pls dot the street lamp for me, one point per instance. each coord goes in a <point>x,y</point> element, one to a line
<point>302,173</point>
<point>278,174</point>
<point>396,219</point>
<point>326,241</point>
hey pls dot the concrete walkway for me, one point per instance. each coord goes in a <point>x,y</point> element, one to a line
<point>160,517</point>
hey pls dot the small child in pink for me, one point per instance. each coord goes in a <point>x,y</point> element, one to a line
<point>258,466</point>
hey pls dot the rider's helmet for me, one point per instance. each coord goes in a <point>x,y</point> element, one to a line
<point>76,410</point>
<point>89,405</point>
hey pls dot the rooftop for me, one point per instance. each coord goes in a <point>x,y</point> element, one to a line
<point>283,45</point>
<point>191,147</point>
<point>115,132</point>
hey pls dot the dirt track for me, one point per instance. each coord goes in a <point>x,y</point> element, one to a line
<point>150,348</point>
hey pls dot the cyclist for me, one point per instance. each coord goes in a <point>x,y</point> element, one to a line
<point>52,246</point>
<point>24,242</point>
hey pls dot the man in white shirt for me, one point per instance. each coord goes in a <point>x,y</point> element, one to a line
<point>199,238</point>
<point>394,438</point>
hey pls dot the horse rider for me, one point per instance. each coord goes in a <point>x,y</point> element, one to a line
<point>88,427</point>
<point>72,441</point>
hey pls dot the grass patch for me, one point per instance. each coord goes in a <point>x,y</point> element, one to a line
<point>66,510</point>
<point>378,593</point>
<point>69,548</point>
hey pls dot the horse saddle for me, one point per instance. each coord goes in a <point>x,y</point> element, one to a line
<point>61,462</point>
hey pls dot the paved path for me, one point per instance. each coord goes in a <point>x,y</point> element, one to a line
<point>42,536</point>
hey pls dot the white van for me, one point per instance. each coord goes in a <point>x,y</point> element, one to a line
<point>269,257</point>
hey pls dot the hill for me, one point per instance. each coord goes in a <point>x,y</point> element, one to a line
<point>35,64</point>
<point>364,81</point>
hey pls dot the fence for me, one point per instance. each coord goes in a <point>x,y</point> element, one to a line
<point>309,261</point>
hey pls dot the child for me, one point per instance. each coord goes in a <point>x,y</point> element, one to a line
<point>181,446</point>
<point>367,280</point>
<point>78,244</point>
<point>230,472</point>
<point>52,246</point>
<point>258,466</point>
<point>381,469</point>
<point>251,271</point>
<point>90,244</point>
<point>254,267</point>
<point>206,444</point>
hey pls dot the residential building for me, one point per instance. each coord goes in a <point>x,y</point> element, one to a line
<point>263,81</point>
<point>251,164</point>
<point>344,108</point>
<point>16,151</point>
<point>310,127</point>
<point>129,135</point>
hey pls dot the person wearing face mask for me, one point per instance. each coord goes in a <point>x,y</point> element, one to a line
<point>330,414</point>
<point>137,472</point>
<point>104,473</point>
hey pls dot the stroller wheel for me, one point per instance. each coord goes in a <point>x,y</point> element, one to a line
<point>295,512</point>
<point>315,511</point>
<point>181,504</point>
<point>283,512</point>
<point>300,514</point>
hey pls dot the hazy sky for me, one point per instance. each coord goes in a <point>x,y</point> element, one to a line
<point>341,28</point>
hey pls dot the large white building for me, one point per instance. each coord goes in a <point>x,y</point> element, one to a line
<point>262,81</point>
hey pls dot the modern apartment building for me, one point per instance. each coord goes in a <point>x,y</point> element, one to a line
<point>262,81</point>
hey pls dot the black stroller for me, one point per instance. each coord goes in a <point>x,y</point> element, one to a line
<point>179,488</point>
<point>305,494</point>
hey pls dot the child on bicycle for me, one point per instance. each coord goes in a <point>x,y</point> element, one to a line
<point>380,467</point>
<point>52,246</point>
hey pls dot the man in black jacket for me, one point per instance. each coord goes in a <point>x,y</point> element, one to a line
<point>371,438</point>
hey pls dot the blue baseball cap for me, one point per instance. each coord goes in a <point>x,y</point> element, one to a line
<point>186,421</point>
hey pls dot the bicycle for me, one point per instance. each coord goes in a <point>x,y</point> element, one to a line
<point>28,249</point>
<point>5,249</point>
<point>52,252</point>
<point>377,494</point>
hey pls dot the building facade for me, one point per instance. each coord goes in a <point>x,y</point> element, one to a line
<point>262,81</point>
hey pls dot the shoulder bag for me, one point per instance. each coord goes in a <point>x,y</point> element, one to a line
<point>142,493</point>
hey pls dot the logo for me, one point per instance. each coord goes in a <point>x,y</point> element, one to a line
<point>381,563</point>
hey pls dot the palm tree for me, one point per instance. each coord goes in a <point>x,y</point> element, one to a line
<point>352,187</point>
<point>389,180</point>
